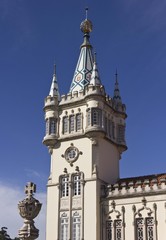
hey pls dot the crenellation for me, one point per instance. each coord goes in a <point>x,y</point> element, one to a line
<point>75,94</point>
<point>63,98</point>
<point>69,96</point>
<point>50,101</point>
<point>132,187</point>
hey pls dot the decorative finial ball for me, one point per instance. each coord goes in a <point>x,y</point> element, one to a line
<point>86,26</point>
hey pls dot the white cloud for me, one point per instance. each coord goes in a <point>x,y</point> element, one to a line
<point>10,218</point>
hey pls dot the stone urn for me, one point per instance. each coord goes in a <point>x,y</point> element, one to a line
<point>29,208</point>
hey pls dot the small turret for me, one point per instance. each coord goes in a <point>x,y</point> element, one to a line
<point>51,113</point>
<point>117,97</point>
<point>95,78</point>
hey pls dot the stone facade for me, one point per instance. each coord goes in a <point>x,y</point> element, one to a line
<point>85,135</point>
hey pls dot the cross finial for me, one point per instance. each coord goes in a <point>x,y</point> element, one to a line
<point>30,189</point>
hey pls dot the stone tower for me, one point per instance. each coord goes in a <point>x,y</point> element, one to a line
<point>85,135</point>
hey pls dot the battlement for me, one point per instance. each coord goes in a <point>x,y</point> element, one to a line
<point>140,185</point>
<point>91,90</point>
<point>50,101</point>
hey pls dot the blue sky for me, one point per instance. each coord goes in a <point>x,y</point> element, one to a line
<point>127,34</point>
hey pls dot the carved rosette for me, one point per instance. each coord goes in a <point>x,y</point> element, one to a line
<point>29,208</point>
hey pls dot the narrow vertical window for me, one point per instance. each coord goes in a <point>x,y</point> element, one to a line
<point>77,185</point>
<point>145,228</point>
<point>71,123</point>
<point>47,126</point>
<point>78,122</point>
<point>149,228</point>
<point>65,124</point>
<point>89,117</point>
<point>110,128</point>
<point>52,126</point>
<point>139,229</point>
<point>109,226</point>
<point>121,133</point>
<point>118,229</point>
<point>64,228</point>
<point>113,130</point>
<point>105,124</point>
<point>76,228</point>
<point>65,186</point>
<point>96,117</point>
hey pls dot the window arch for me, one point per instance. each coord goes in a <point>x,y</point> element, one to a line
<point>145,222</point>
<point>115,223</point>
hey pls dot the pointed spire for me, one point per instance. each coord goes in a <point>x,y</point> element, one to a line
<point>54,86</point>
<point>95,79</point>
<point>117,97</point>
<point>84,66</point>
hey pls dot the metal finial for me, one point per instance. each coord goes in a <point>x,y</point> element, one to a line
<point>86,12</point>
<point>116,75</point>
<point>86,25</point>
<point>54,68</point>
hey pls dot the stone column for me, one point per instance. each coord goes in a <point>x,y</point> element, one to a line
<point>29,208</point>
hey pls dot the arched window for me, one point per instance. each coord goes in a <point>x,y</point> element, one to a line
<point>145,222</point>
<point>115,223</point>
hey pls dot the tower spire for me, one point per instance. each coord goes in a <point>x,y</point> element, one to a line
<point>84,66</point>
<point>117,97</point>
<point>54,91</point>
<point>95,78</point>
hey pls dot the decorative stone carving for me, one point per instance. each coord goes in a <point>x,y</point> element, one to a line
<point>29,208</point>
